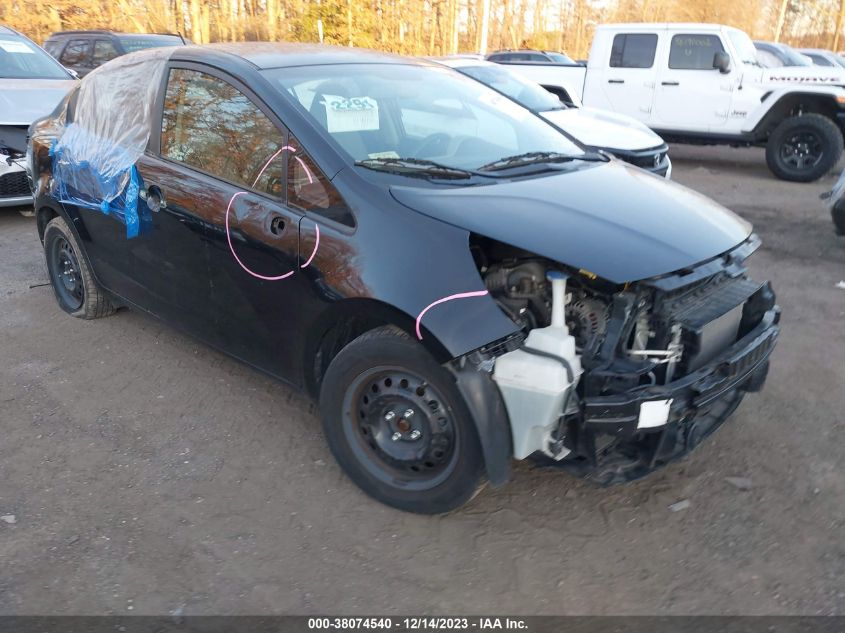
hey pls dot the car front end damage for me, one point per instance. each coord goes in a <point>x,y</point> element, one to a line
<point>663,361</point>
<point>14,185</point>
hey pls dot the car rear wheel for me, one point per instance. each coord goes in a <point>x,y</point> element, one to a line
<point>804,148</point>
<point>398,426</point>
<point>73,284</point>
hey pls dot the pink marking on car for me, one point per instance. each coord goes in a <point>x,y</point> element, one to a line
<point>307,171</point>
<point>232,248</point>
<point>316,245</point>
<point>460,295</point>
<point>270,160</point>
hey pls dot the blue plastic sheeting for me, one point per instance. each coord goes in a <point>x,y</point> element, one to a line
<point>104,134</point>
<point>81,183</point>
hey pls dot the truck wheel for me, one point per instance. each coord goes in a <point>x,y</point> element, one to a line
<point>73,284</point>
<point>398,426</point>
<point>804,148</point>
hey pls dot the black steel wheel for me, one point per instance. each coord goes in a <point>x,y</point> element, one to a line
<point>65,274</point>
<point>398,426</point>
<point>804,148</point>
<point>73,284</point>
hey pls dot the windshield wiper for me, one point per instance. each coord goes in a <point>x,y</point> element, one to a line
<point>414,167</point>
<point>530,158</point>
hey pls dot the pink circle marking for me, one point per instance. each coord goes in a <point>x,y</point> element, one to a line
<point>460,295</point>
<point>232,248</point>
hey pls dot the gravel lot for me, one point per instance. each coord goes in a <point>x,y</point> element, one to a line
<point>148,474</point>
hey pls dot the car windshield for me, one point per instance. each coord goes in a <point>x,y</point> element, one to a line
<point>21,59</point>
<point>560,58</point>
<point>744,47</point>
<point>429,114</point>
<point>793,57</point>
<point>533,96</point>
<point>132,43</point>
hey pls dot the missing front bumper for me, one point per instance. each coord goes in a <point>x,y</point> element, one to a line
<point>610,442</point>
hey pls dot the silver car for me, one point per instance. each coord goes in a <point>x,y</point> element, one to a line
<point>31,85</point>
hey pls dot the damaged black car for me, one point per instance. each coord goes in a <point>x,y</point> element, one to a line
<point>455,282</point>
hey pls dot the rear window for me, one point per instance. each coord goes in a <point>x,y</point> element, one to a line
<point>21,59</point>
<point>633,50</point>
<point>694,51</point>
<point>132,43</point>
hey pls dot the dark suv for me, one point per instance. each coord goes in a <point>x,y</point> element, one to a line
<point>83,51</point>
<point>549,57</point>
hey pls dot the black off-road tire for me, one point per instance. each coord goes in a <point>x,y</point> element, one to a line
<point>76,291</point>
<point>375,374</point>
<point>813,133</point>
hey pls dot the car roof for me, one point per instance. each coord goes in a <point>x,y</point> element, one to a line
<point>660,26</point>
<point>264,55</point>
<point>106,32</point>
<point>8,30</point>
<point>462,62</point>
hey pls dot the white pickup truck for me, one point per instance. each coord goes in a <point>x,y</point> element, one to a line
<point>701,83</point>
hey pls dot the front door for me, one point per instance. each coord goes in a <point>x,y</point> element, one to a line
<point>228,158</point>
<point>691,94</point>
<point>628,81</point>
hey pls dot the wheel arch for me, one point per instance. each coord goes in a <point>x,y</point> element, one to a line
<point>794,103</point>
<point>346,320</point>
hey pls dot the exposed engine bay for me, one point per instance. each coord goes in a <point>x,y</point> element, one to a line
<point>648,391</point>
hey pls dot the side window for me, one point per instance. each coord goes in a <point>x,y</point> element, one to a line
<point>634,50</point>
<point>694,51</point>
<point>76,53</point>
<point>310,190</point>
<point>537,57</point>
<point>104,51</point>
<point>209,124</point>
<point>769,60</point>
<point>54,47</point>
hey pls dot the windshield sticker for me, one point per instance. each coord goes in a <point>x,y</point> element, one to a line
<point>354,114</point>
<point>15,47</point>
<point>388,154</point>
<point>504,105</point>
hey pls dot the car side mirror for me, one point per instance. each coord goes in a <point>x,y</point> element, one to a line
<point>722,62</point>
<point>72,72</point>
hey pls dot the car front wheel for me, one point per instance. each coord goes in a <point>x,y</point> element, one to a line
<point>804,148</point>
<point>398,426</point>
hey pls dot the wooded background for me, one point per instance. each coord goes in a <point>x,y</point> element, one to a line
<point>425,27</point>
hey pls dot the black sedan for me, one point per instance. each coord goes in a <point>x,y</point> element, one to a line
<point>456,286</point>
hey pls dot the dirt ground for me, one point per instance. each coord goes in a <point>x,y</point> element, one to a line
<point>148,474</point>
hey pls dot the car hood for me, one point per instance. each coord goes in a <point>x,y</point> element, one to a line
<point>22,101</point>
<point>602,129</point>
<point>804,75</point>
<point>615,221</point>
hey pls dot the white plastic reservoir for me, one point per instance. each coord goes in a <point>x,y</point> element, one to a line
<point>535,385</point>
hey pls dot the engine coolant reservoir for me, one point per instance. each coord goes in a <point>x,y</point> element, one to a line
<point>537,379</point>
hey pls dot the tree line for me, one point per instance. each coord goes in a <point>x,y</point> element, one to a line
<point>424,27</point>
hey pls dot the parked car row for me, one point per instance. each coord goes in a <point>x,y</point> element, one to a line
<point>704,84</point>
<point>31,84</point>
<point>455,281</point>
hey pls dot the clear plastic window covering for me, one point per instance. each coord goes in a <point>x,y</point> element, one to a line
<point>94,156</point>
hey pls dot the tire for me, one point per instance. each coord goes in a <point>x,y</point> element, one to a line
<point>73,284</point>
<point>804,148</point>
<point>428,461</point>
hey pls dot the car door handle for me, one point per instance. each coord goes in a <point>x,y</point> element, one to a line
<point>277,225</point>
<point>154,197</point>
<point>670,83</point>
<point>616,81</point>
